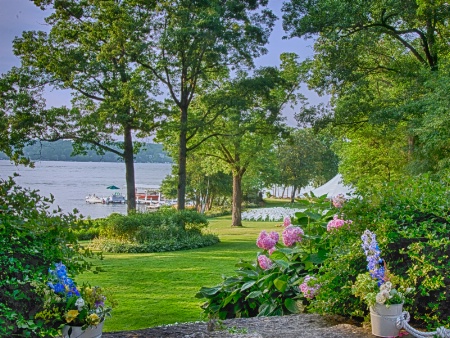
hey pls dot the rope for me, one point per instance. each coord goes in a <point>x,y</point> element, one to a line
<point>402,323</point>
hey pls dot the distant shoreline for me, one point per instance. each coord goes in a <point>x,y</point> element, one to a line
<point>62,151</point>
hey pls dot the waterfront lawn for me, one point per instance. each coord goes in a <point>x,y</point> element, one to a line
<point>159,288</point>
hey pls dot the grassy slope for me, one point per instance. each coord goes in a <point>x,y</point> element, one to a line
<point>159,288</point>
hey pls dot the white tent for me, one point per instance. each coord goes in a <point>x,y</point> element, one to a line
<point>333,187</point>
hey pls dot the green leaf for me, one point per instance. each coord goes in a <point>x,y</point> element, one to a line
<point>302,202</point>
<point>313,215</point>
<point>281,283</point>
<point>248,273</point>
<point>282,264</point>
<point>266,309</point>
<point>229,298</point>
<point>314,259</point>
<point>302,221</point>
<point>254,294</point>
<point>209,291</point>
<point>278,254</point>
<point>248,285</point>
<point>291,305</point>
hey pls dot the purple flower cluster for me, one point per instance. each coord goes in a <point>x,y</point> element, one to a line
<point>267,241</point>
<point>337,223</point>
<point>307,290</point>
<point>338,200</point>
<point>292,235</point>
<point>62,283</point>
<point>372,251</point>
<point>264,262</point>
<point>99,298</point>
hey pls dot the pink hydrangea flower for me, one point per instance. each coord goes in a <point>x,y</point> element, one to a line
<point>307,290</point>
<point>264,262</point>
<point>292,235</point>
<point>337,223</point>
<point>287,221</point>
<point>267,241</point>
<point>338,200</point>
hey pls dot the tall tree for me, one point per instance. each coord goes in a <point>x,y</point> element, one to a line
<point>86,52</point>
<point>375,58</point>
<point>303,159</point>
<point>186,44</point>
<point>252,120</point>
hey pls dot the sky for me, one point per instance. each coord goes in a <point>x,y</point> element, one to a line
<point>17,16</point>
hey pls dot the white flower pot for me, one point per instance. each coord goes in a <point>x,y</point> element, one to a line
<point>383,319</point>
<point>77,332</point>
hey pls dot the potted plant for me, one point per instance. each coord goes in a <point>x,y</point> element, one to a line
<point>377,289</point>
<point>79,311</point>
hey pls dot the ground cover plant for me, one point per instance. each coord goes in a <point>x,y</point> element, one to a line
<point>159,288</point>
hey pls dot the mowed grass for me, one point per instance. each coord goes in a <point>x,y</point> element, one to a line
<point>160,288</point>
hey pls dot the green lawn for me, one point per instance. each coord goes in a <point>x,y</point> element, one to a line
<point>159,288</point>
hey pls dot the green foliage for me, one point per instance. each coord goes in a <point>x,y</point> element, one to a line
<point>186,242</point>
<point>303,159</point>
<point>87,229</point>
<point>31,240</point>
<point>387,69</point>
<point>163,230</point>
<point>411,221</point>
<point>218,211</point>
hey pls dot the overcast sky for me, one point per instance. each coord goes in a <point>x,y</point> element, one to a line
<point>17,16</point>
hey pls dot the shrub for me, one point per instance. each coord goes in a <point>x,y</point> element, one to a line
<point>218,211</point>
<point>88,230</point>
<point>190,241</point>
<point>163,230</point>
<point>31,239</point>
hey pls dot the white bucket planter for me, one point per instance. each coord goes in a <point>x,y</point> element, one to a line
<point>383,319</point>
<point>77,332</point>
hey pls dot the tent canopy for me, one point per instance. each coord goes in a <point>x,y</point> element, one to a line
<point>333,187</point>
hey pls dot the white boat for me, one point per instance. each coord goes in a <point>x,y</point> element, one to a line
<point>92,199</point>
<point>116,198</point>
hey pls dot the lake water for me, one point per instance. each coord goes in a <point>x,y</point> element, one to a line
<point>70,182</point>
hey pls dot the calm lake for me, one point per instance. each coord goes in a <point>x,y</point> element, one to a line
<point>71,182</point>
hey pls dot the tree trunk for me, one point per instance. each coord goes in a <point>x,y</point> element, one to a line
<point>283,191</point>
<point>210,202</point>
<point>236,219</point>
<point>181,192</point>
<point>129,170</point>
<point>294,189</point>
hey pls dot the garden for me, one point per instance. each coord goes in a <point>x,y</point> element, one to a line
<point>389,246</point>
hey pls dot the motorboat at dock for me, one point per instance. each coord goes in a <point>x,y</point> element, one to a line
<point>148,194</point>
<point>115,198</point>
<point>93,199</point>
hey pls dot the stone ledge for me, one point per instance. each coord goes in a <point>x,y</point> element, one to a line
<point>291,326</point>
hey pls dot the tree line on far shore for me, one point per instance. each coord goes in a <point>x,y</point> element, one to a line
<point>62,150</point>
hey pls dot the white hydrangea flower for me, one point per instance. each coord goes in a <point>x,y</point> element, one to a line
<point>79,303</point>
<point>386,287</point>
<point>380,298</point>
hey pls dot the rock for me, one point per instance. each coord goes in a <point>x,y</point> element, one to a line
<point>291,326</point>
